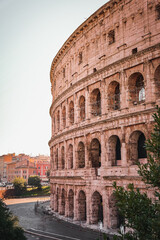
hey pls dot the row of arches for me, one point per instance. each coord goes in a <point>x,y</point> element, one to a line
<point>76,206</point>
<point>136,95</point>
<point>135,147</point>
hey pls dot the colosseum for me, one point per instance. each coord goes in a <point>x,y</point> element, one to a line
<point>105,83</point>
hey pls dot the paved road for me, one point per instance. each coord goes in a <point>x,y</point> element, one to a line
<point>45,225</point>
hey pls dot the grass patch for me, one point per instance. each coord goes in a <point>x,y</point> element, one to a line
<point>35,192</point>
<point>30,192</point>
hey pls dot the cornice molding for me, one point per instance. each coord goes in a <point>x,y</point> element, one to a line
<point>106,68</point>
<point>94,18</point>
<point>100,122</point>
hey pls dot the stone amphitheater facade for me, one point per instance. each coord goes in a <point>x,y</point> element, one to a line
<point>105,84</point>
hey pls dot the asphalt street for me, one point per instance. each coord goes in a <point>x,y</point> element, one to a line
<point>41,226</point>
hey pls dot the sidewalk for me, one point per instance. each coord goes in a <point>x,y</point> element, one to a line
<point>25,200</point>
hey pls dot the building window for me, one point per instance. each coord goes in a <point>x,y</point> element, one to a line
<point>114,150</point>
<point>81,155</point>
<point>58,120</point>
<point>95,101</point>
<point>158,11</point>
<point>111,37</point>
<point>62,158</point>
<point>64,116</point>
<point>82,108</point>
<point>134,50</point>
<point>136,88</point>
<point>71,112</point>
<point>114,96</point>
<point>70,156</point>
<point>64,72</point>
<point>137,147</point>
<point>80,57</point>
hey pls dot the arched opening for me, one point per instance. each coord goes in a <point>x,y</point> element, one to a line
<point>82,206</point>
<point>71,203</point>
<point>54,123</point>
<point>64,116</point>
<point>136,147</point>
<point>114,96</point>
<point>115,219</point>
<point>81,155</point>
<point>70,156</point>
<point>136,88</point>
<point>114,151</point>
<point>63,202</point>
<point>56,159</point>
<point>157,81</point>
<point>62,158</point>
<point>141,146</point>
<point>97,208</point>
<point>95,153</point>
<point>71,112</point>
<point>56,200</point>
<point>58,120</point>
<point>52,158</point>
<point>95,101</point>
<point>82,108</point>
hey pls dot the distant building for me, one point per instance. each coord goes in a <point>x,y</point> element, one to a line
<point>4,160</point>
<point>23,169</point>
<point>12,166</point>
<point>43,165</point>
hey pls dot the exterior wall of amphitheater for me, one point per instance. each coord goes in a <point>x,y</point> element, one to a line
<point>105,84</point>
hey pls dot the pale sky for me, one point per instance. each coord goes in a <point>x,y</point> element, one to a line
<point>31,33</point>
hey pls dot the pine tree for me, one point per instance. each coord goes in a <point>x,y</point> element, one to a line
<point>9,228</point>
<point>140,213</point>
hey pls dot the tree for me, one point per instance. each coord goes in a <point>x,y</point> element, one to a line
<point>35,181</point>
<point>9,228</point>
<point>141,214</point>
<point>19,186</point>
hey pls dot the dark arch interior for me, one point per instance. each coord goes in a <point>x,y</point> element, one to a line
<point>141,146</point>
<point>118,149</point>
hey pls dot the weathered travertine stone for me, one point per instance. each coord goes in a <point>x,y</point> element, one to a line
<point>105,85</point>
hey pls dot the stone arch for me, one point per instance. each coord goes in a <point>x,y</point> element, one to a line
<point>136,88</point>
<point>157,81</point>
<point>114,95</point>
<point>56,159</point>
<point>95,101</point>
<point>114,151</point>
<point>81,155</point>
<point>95,153</point>
<point>63,202</point>
<point>115,219</point>
<point>97,208</point>
<point>71,203</point>
<point>82,108</point>
<point>57,200</point>
<point>82,206</point>
<point>62,157</point>
<point>70,156</point>
<point>71,112</point>
<point>136,147</point>
<point>54,123</point>
<point>64,116</point>
<point>58,120</point>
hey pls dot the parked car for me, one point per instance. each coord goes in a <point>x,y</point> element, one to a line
<point>1,184</point>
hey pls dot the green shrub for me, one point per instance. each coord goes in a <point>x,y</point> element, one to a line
<point>20,186</point>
